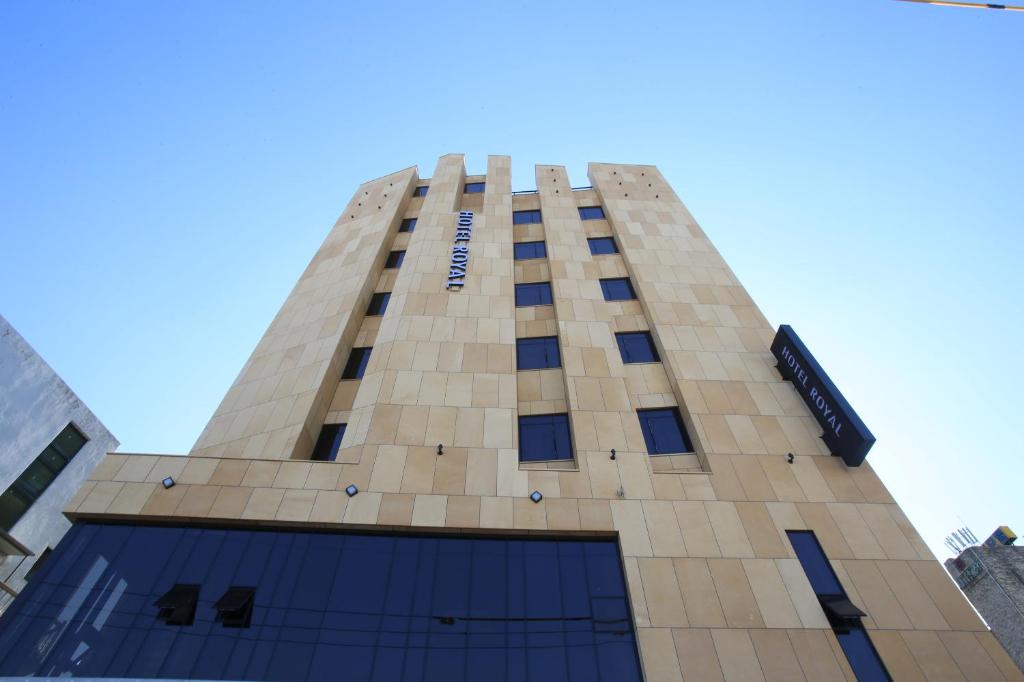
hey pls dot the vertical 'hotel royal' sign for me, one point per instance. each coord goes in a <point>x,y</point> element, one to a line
<point>460,251</point>
<point>844,432</point>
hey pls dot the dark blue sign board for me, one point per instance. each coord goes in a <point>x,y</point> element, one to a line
<point>844,432</point>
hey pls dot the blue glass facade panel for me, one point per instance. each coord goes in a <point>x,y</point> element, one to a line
<point>328,606</point>
<point>538,353</point>
<point>528,250</point>
<point>536,293</point>
<point>600,246</point>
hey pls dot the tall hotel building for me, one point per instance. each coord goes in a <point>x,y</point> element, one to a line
<point>497,435</point>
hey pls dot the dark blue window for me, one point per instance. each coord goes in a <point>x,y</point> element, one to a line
<point>617,289</point>
<point>664,432</point>
<point>395,259</point>
<point>842,615</point>
<point>815,564</point>
<point>544,437</point>
<point>637,347</point>
<point>591,213</point>
<point>525,217</point>
<point>38,475</point>
<point>538,293</point>
<point>600,246</point>
<point>323,606</point>
<point>528,250</point>
<point>378,303</point>
<point>327,445</point>
<point>420,191</point>
<point>538,353</point>
<point>408,225</point>
<point>474,188</point>
<point>356,365</point>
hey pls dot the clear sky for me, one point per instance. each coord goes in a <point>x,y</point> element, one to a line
<point>167,169</point>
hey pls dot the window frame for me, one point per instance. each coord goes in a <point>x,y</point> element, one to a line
<point>516,246</point>
<point>549,349</point>
<point>540,287</point>
<point>608,282</point>
<point>650,438</point>
<point>622,339</point>
<point>554,421</point>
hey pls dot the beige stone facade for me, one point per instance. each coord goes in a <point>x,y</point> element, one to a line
<point>716,590</point>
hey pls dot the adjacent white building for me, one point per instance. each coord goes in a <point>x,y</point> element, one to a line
<point>49,443</point>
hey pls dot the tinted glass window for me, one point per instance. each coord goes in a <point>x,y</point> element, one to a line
<point>525,217</point>
<point>407,225</point>
<point>39,474</point>
<point>544,437</point>
<point>528,250</point>
<point>329,442</point>
<point>325,606</point>
<point>537,353</point>
<point>356,365</point>
<point>861,654</point>
<point>664,432</point>
<point>538,293</point>
<point>637,347</point>
<point>395,259</point>
<point>591,213</point>
<point>815,563</point>
<point>618,289</point>
<point>420,191</point>
<point>378,303</point>
<point>474,188</point>
<point>600,246</point>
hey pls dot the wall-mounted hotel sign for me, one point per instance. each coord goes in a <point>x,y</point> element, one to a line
<point>460,251</point>
<point>844,432</point>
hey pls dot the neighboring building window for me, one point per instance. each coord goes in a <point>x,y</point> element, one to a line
<point>38,475</point>
<point>378,303</point>
<point>617,289</point>
<point>538,353</point>
<point>395,259</point>
<point>544,437</point>
<point>474,188</point>
<point>525,217</point>
<point>408,225</point>
<point>329,442</point>
<point>528,250</point>
<point>664,432</point>
<point>591,213</point>
<point>538,293</point>
<point>420,191</point>
<point>636,347</point>
<point>842,615</point>
<point>356,365</point>
<point>600,246</point>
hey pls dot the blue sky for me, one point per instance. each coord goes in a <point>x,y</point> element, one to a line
<point>167,170</point>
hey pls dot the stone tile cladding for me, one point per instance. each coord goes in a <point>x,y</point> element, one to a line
<point>716,590</point>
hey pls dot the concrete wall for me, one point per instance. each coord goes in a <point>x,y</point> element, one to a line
<point>35,405</point>
<point>998,593</point>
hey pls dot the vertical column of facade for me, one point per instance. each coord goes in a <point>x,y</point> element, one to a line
<point>600,411</point>
<point>441,371</point>
<point>275,407</point>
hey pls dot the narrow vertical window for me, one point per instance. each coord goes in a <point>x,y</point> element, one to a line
<point>356,365</point>
<point>842,615</point>
<point>329,442</point>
